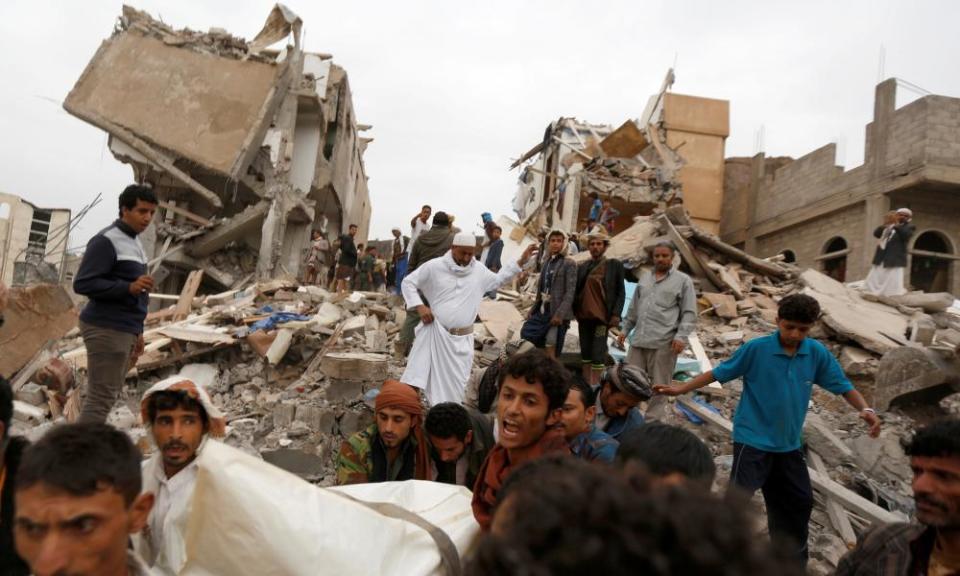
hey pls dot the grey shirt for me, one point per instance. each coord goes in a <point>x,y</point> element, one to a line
<point>661,310</point>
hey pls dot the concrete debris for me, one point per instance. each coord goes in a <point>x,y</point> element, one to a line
<point>266,152</point>
<point>34,316</point>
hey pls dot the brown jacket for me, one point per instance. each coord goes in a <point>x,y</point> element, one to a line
<point>890,550</point>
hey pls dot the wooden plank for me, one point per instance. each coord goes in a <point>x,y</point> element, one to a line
<point>190,287</point>
<point>701,354</point>
<point>173,359</point>
<point>836,513</point>
<point>767,268</point>
<point>729,279</point>
<point>192,335</point>
<point>849,499</point>
<point>186,214</point>
<point>687,254</point>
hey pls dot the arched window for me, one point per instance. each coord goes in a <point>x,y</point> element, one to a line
<point>789,256</point>
<point>833,258</point>
<point>929,271</point>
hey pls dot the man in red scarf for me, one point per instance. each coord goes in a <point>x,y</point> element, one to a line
<point>392,448</point>
<point>532,388</point>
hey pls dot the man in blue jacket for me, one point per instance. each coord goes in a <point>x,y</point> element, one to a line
<point>113,275</point>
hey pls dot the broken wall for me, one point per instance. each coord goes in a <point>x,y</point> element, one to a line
<point>697,128</point>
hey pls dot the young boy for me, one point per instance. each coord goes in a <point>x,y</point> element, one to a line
<point>778,372</point>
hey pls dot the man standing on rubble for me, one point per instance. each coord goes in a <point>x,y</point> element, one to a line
<point>347,265</point>
<point>548,320</point>
<point>393,448</point>
<point>454,285</point>
<point>461,439</point>
<point>180,416</point>
<point>433,243</point>
<point>890,258</point>
<point>932,545</point>
<point>778,373</point>
<point>398,260</point>
<point>419,225</point>
<point>598,304</point>
<point>113,275</point>
<point>662,315</point>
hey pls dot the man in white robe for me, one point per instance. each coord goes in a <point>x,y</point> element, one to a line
<point>454,284</point>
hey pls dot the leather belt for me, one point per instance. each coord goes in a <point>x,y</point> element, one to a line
<point>465,331</point>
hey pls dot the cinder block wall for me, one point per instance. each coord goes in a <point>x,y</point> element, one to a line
<point>808,240</point>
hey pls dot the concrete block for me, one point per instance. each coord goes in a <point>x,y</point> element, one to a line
<point>355,366</point>
<point>284,414</point>
<point>32,394</point>
<point>34,316</point>
<point>340,390</point>
<point>857,361</point>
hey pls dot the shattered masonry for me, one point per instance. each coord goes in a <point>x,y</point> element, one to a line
<point>248,148</point>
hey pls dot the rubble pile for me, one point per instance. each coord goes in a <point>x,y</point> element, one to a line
<point>290,365</point>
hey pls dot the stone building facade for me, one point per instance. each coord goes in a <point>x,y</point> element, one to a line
<point>819,215</point>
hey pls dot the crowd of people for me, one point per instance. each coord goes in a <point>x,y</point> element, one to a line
<point>571,468</point>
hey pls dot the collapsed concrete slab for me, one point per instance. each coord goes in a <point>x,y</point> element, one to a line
<point>34,317</point>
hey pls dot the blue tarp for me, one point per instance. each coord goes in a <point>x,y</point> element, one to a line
<point>277,318</point>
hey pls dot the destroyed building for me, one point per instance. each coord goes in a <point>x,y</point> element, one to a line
<point>819,215</point>
<point>248,148</point>
<point>673,153</point>
<point>33,242</point>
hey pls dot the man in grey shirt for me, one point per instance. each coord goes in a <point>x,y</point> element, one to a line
<point>662,314</point>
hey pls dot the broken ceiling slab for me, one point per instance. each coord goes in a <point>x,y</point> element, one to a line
<point>236,228</point>
<point>33,317</point>
<point>875,326</point>
<point>625,142</point>
<point>200,106</point>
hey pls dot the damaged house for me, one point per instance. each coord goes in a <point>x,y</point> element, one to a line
<point>673,154</point>
<point>33,242</point>
<point>248,148</point>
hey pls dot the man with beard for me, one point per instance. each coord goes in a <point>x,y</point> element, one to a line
<point>180,416</point>
<point>662,314</point>
<point>931,546</point>
<point>778,372</point>
<point>454,284</point>
<point>393,448</point>
<point>597,305</point>
<point>532,390</point>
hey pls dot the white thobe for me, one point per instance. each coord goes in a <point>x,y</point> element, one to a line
<point>440,362</point>
<point>419,227</point>
<point>163,545</point>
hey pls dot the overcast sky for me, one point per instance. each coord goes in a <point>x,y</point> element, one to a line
<point>455,90</point>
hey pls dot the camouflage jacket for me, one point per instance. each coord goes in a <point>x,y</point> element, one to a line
<point>363,458</point>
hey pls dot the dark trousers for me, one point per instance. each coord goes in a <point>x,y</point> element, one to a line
<point>785,482</point>
<point>108,359</point>
<point>593,342</point>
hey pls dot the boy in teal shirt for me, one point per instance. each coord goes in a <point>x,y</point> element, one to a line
<point>778,372</point>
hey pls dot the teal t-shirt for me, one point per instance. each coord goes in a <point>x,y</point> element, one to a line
<point>776,389</point>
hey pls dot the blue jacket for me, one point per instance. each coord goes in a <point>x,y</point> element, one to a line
<point>114,259</point>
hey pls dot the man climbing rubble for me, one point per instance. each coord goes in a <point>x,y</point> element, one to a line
<point>393,447</point>
<point>113,275</point>
<point>598,304</point>
<point>662,315</point>
<point>180,416</point>
<point>532,390</point>
<point>454,285</point>
<point>548,320</point>
<point>932,545</point>
<point>460,438</point>
<point>431,244</point>
<point>778,373</point>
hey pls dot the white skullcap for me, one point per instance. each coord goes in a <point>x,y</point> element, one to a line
<point>905,212</point>
<point>464,240</point>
